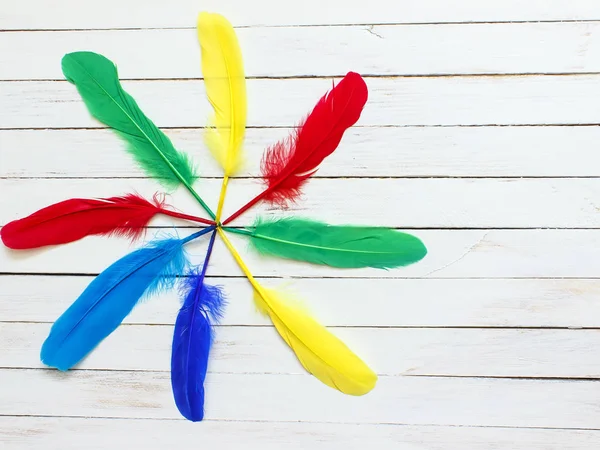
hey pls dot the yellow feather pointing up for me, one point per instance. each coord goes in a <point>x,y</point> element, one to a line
<point>320,352</point>
<point>223,72</point>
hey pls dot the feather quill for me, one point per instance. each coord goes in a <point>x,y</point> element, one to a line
<point>110,297</point>
<point>73,219</point>
<point>338,246</point>
<point>97,81</point>
<point>287,165</point>
<point>223,71</point>
<point>192,340</point>
<point>319,351</point>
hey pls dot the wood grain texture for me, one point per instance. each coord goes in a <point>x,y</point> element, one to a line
<point>43,433</point>
<point>444,203</point>
<point>282,52</point>
<point>393,302</point>
<point>277,398</point>
<point>67,14</point>
<point>451,254</point>
<point>392,102</point>
<point>389,351</point>
<point>409,152</point>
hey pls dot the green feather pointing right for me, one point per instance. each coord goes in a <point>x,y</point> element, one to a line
<point>342,246</point>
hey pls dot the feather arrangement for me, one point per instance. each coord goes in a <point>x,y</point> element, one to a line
<point>76,218</point>
<point>338,246</point>
<point>289,163</point>
<point>285,168</point>
<point>223,71</point>
<point>97,81</point>
<point>110,297</point>
<point>193,336</point>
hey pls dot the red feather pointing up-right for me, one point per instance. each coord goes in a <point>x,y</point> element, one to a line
<point>287,165</point>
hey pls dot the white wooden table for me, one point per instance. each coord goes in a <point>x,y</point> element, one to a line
<point>480,136</point>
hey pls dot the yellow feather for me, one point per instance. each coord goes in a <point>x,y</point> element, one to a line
<point>223,72</point>
<point>319,351</point>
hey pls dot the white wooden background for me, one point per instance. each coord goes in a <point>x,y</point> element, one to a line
<point>481,136</point>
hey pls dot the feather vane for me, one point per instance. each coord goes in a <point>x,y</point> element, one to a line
<point>192,340</point>
<point>288,164</point>
<point>110,297</point>
<point>223,71</point>
<point>338,246</point>
<point>73,219</point>
<point>97,81</point>
<point>319,351</point>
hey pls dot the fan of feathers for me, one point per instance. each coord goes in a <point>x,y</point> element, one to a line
<point>163,263</point>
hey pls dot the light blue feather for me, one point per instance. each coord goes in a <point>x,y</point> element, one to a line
<point>192,339</point>
<point>110,297</point>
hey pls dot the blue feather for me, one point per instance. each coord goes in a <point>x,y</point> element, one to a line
<point>192,339</point>
<point>110,297</point>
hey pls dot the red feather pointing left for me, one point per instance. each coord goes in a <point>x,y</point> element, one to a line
<point>76,218</point>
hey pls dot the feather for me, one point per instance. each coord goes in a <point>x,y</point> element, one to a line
<point>192,339</point>
<point>320,352</point>
<point>338,246</point>
<point>223,71</point>
<point>97,81</point>
<point>73,219</point>
<point>287,165</point>
<point>110,297</point>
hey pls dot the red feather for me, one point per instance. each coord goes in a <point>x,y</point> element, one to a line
<point>76,218</point>
<point>287,165</point>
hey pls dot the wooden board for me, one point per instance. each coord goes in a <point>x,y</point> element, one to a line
<point>480,137</point>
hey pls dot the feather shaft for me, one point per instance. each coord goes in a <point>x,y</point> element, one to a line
<point>97,81</point>
<point>192,339</point>
<point>320,352</point>
<point>73,219</point>
<point>110,297</point>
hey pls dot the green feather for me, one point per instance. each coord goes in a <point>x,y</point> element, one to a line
<point>97,81</point>
<point>338,246</point>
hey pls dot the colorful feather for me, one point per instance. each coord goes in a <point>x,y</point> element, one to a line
<point>223,71</point>
<point>97,81</point>
<point>110,297</point>
<point>192,339</point>
<point>338,246</point>
<point>320,352</point>
<point>288,164</point>
<point>73,219</point>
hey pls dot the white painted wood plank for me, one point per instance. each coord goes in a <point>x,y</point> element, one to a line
<point>286,51</point>
<point>452,254</point>
<point>447,101</point>
<point>391,302</point>
<point>68,14</point>
<point>389,351</point>
<point>44,433</point>
<point>432,203</point>
<point>364,152</point>
<point>395,400</point>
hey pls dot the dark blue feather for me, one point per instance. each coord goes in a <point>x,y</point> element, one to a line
<point>192,339</point>
<point>110,297</point>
